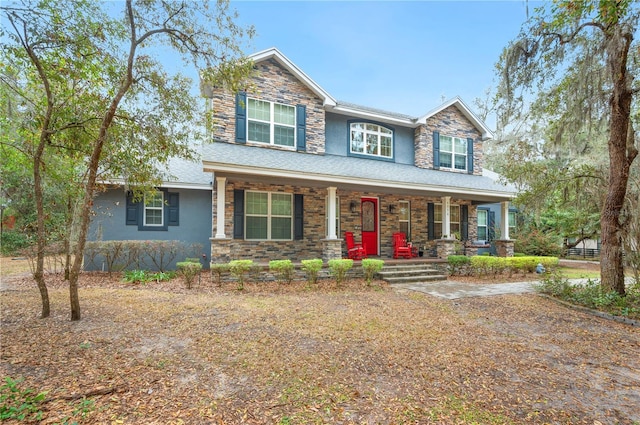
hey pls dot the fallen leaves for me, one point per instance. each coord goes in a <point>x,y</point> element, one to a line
<point>289,354</point>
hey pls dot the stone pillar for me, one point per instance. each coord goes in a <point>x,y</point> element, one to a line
<point>445,248</point>
<point>504,248</point>
<point>331,214</point>
<point>221,250</point>
<point>221,185</point>
<point>331,249</point>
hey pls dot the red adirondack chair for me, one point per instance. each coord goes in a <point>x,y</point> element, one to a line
<point>400,247</point>
<point>355,251</point>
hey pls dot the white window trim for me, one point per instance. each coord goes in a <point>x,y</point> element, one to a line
<point>272,123</point>
<point>364,139</point>
<point>485,225</point>
<point>438,224</point>
<point>269,215</point>
<point>408,220</point>
<point>453,153</point>
<point>160,208</point>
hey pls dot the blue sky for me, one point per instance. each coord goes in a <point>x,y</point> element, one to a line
<point>400,56</point>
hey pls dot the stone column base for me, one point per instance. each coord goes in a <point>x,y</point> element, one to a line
<point>505,247</point>
<point>220,250</point>
<point>445,248</point>
<point>331,249</point>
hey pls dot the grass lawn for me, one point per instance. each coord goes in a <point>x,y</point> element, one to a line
<point>159,353</point>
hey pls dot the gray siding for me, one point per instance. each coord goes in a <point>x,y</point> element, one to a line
<point>108,222</point>
<point>337,141</point>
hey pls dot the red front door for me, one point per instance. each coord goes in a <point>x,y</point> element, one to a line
<point>369,208</point>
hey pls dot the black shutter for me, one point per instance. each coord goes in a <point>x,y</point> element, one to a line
<point>298,217</point>
<point>491,225</point>
<point>173,212</point>
<point>241,117</point>
<point>431,224</point>
<point>238,214</point>
<point>436,150</point>
<point>301,127</point>
<point>464,217</point>
<point>470,156</point>
<point>132,210</point>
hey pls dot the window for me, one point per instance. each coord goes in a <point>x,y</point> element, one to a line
<point>453,153</point>
<point>371,139</point>
<point>512,224</point>
<point>404,218</point>
<point>483,225</point>
<point>270,122</point>
<point>269,216</point>
<point>454,215</point>
<point>153,209</point>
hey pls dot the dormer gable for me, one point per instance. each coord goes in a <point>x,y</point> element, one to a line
<point>276,55</point>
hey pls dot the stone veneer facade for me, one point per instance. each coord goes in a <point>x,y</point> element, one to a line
<point>314,243</point>
<point>449,122</point>
<point>272,83</point>
<point>276,84</point>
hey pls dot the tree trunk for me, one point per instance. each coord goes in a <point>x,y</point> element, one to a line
<point>620,159</point>
<point>41,241</point>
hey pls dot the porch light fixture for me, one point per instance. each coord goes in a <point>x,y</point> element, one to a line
<point>392,208</point>
<point>353,205</point>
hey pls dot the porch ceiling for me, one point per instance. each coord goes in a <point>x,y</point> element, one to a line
<point>255,164</point>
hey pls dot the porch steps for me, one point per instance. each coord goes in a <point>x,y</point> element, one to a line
<point>410,273</point>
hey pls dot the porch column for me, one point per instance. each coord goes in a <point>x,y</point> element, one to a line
<point>446,217</point>
<point>504,220</point>
<point>331,214</point>
<point>221,185</point>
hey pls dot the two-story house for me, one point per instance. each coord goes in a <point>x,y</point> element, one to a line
<point>289,169</point>
<point>293,169</point>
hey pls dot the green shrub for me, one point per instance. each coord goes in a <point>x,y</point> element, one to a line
<point>137,276</point>
<point>371,266</point>
<point>312,267</point>
<point>189,270</point>
<point>283,270</point>
<point>554,284</point>
<point>339,269</point>
<point>12,242</point>
<point>20,404</point>
<point>239,270</point>
<point>458,264</point>
<point>219,269</point>
<point>536,242</point>
<point>162,276</point>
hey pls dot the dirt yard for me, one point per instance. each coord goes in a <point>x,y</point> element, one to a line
<point>159,353</point>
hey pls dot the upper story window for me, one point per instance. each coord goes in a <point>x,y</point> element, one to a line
<point>453,153</point>
<point>153,209</point>
<point>371,139</point>
<point>270,122</point>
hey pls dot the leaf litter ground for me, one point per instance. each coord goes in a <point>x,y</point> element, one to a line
<point>290,354</point>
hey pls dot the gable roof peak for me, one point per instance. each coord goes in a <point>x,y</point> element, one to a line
<point>274,53</point>
<point>466,111</point>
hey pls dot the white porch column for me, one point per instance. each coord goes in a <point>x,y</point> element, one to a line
<point>331,213</point>
<point>446,217</point>
<point>221,186</point>
<point>504,220</point>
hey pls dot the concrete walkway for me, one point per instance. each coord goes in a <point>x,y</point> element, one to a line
<point>452,290</point>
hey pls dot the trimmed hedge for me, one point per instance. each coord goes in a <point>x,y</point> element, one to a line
<point>481,265</point>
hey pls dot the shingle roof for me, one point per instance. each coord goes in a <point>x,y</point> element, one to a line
<point>226,158</point>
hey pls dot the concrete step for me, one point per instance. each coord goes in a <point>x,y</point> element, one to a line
<point>410,272</point>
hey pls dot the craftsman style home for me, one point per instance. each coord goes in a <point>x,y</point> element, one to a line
<point>293,170</point>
